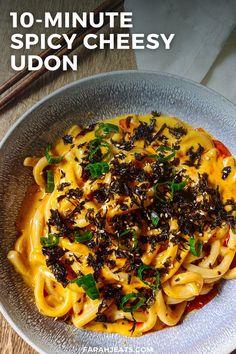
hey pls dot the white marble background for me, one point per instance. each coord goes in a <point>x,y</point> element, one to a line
<point>204,47</point>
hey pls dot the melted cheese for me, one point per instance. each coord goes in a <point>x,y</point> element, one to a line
<point>185,278</point>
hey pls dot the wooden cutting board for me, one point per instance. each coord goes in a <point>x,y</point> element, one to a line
<point>91,62</point>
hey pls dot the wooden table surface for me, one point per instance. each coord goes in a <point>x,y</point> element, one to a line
<point>90,63</point>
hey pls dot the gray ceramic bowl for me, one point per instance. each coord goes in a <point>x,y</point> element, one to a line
<point>210,330</point>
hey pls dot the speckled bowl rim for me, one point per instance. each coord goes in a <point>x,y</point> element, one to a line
<point>226,348</point>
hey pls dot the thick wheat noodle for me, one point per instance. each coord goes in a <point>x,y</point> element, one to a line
<point>188,276</point>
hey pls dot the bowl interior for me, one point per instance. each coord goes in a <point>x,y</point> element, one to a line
<point>211,329</point>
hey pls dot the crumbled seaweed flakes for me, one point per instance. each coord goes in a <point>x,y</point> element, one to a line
<point>161,172</point>
<point>102,193</point>
<point>124,206</point>
<point>159,132</point>
<point>194,156</point>
<point>121,253</point>
<point>111,263</point>
<point>210,211</point>
<point>81,145</point>
<point>101,318</point>
<point>55,219</point>
<point>111,291</point>
<point>59,271</point>
<point>226,172</point>
<point>144,131</point>
<point>97,261</point>
<point>85,173</point>
<point>52,254</point>
<point>125,268</point>
<point>78,208</point>
<point>62,174</point>
<point>155,240</point>
<point>155,113</point>
<point>162,138</point>
<point>123,144</point>
<point>138,156</point>
<point>178,132</point>
<point>61,197</point>
<point>120,187</point>
<point>176,161</point>
<point>86,130</point>
<point>74,193</point>
<point>67,139</point>
<point>63,225</point>
<point>177,239</point>
<point>150,297</point>
<point>62,186</point>
<point>91,261</point>
<point>176,146</point>
<point>128,171</point>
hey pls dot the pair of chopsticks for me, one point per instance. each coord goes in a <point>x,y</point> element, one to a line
<point>22,79</point>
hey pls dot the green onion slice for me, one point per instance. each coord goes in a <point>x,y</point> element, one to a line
<point>157,283</point>
<point>105,129</point>
<point>52,159</point>
<point>50,240</point>
<point>88,283</point>
<point>172,185</point>
<point>134,237</point>
<point>196,252</point>
<point>50,182</point>
<point>155,189</point>
<point>96,145</point>
<point>177,186</point>
<point>97,169</point>
<point>155,218</point>
<point>131,308</point>
<point>83,236</point>
<point>165,149</point>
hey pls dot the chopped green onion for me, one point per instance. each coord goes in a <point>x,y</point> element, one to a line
<point>134,238</point>
<point>155,218</point>
<point>50,182</point>
<point>196,252</point>
<point>155,189</point>
<point>128,297</point>
<point>157,276</point>
<point>172,185</point>
<point>177,186</point>
<point>164,148</point>
<point>97,169</point>
<point>52,159</point>
<point>50,240</point>
<point>105,129</point>
<point>83,236</point>
<point>153,156</point>
<point>88,283</point>
<point>96,145</point>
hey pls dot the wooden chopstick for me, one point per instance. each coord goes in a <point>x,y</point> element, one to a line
<point>22,80</point>
<point>19,75</point>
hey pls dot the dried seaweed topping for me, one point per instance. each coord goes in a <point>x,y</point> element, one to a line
<point>226,172</point>
<point>194,156</point>
<point>148,191</point>
<point>178,132</point>
<point>67,139</point>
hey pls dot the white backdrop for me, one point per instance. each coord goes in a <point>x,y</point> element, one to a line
<point>204,47</point>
